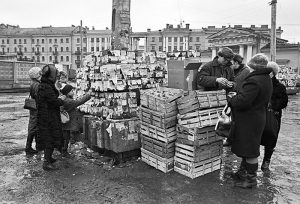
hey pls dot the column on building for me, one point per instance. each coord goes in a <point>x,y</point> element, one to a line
<point>249,52</point>
<point>241,50</point>
<point>186,43</point>
<point>178,42</point>
<point>214,52</point>
<point>165,44</point>
<point>146,44</point>
<point>172,44</point>
<point>105,43</point>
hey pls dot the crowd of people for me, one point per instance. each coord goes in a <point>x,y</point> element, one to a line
<point>45,123</point>
<point>254,95</point>
<point>256,99</point>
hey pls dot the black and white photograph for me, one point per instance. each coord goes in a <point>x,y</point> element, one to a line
<point>159,102</point>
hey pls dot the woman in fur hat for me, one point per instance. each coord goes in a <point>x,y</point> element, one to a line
<point>35,76</point>
<point>49,121</point>
<point>249,106</point>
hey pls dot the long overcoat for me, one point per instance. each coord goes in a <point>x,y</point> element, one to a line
<point>249,108</point>
<point>49,121</point>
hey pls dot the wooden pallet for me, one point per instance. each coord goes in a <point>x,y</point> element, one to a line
<point>197,136</point>
<point>194,170</point>
<point>161,99</point>
<point>162,164</point>
<point>194,153</point>
<point>160,148</point>
<point>166,135</point>
<point>201,118</point>
<point>199,100</point>
<point>159,119</point>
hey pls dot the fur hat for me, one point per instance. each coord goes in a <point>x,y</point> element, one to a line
<point>227,53</point>
<point>238,58</point>
<point>50,72</point>
<point>274,66</point>
<point>258,61</point>
<point>35,72</point>
<point>67,88</point>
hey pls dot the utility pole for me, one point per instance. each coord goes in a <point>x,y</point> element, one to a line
<point>81,50</point>
<point>273,4</point>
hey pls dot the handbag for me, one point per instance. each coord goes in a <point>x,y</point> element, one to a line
<point>65,118</point>
<point>223,125</point>
<point>270,133</point>
<point>30,103</point>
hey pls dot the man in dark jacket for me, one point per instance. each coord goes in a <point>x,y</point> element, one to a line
<point>249,106</point>
<point>72,127</point>
<point>279,101</point>
<point>241,71</point>
<point>35,76</point>
<point>216,74</point>
<point>49,121</point>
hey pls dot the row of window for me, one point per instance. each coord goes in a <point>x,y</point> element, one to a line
<point>37,41</point>
<point>33,49</point>
<point>97,40</point>
<point>160,48</point>
<point>160,39</point>
<point>42,58</point>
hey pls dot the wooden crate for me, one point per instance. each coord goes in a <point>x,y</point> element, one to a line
<point>162,164</point>
<point>197,136</point>
<point>162,120</point>
<point>194,170</point>
<point>163,134</point>
<point>157,147</point>
<point>161,99</point>
<point>194,153</point>
<point>201,118</point>
<point>199,100</point>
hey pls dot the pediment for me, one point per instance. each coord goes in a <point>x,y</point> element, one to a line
<point>230,33</point>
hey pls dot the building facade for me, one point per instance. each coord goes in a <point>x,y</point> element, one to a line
<point>49,44</point>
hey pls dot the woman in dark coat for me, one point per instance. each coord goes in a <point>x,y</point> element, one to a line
<point>49,121</point>
<point>249,109</point>
<point>279,101</point>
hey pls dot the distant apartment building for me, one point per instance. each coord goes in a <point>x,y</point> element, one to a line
<point>183,38</point>
<point>52,44</point>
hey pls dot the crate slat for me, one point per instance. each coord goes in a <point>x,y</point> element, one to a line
<point>194,170</point>
<point>166,135</point>
<point>160,148</point>
<point>162,164</point>
<point>198,100</point>
<point>198,153</point>
<point>159,119</point>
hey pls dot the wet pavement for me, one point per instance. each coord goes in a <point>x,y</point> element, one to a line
<point>89,178</point>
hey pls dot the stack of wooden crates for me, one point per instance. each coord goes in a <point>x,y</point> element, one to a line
<point>158,116</point>
<point>198,149</point>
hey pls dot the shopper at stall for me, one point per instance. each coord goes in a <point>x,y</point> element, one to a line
<point>49,121</point>
<point>241,71</point>
<point>216,74</point>
<point>35,76</point>
<point>279,101</point>
<point>71,128</point>
<point>249,106</point>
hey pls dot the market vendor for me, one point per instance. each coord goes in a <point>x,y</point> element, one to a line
<point>216,74</point>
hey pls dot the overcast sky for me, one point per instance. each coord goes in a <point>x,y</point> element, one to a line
<point>153,14</point>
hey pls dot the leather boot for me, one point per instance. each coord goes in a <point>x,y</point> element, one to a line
<point>267,158</point>
<point>250,179</point>
<point>30,150</point>
<point>241,172</point>
<point>47,165</point>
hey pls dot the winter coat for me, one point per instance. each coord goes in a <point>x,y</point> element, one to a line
<point>239,76</point>
<point>206,77</point>
<point>32,125</point>
<point>249,110</point>
<point>75,115</point>
<point>279,101</point>
<point>49,121</point>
